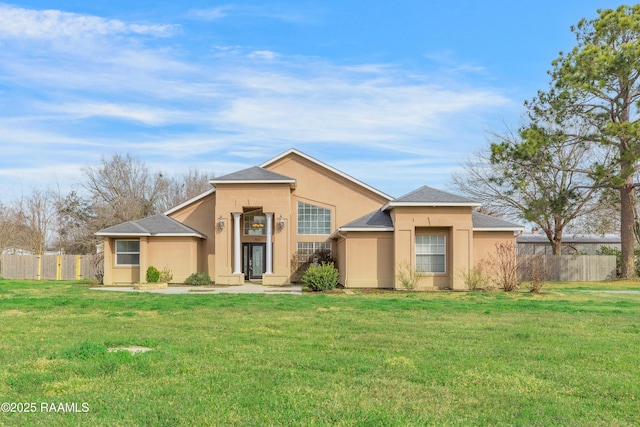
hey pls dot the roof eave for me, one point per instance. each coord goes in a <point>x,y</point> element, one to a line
<point>107,234</point>
<point>190,201</point>
<point>498,228</point>
<point>202,236</point>
<point>366,229</point>
<point>430,204</point>
<point>291,182</point>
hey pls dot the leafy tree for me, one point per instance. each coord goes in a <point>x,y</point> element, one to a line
<point>597,84</point>
<point>536,175</point>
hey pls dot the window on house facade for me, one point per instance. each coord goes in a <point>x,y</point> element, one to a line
<point>127,252</point>
<point>431,254</point>
<point>306,250</point>
<point>255,223</point>
<point>313,219</point>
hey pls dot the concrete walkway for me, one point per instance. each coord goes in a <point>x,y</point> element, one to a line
<point>247,288</point>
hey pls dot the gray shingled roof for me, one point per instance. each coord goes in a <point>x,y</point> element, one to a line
<point>382,219</point>
<point>570,238</point>
<point>254,173</point>
<point>373,220</point>
<point>481,220</point>
<point>426,194</point>
<point>153,225</point>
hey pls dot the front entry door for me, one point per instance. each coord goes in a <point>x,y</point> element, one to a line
<point>255,259</point>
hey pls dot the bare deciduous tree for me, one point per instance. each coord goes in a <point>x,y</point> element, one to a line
<point>504,266</point>
<point>184,187</point>
<point>122,189</point>
<point>8,227</point>
<point>35,218</point>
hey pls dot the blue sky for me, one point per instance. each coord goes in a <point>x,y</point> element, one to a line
<point>396,94</point>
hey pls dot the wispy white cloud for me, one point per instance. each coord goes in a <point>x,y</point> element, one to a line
<point>145,114</point>
<point>446,60</point>
<point>263,54</point>
<point>211,14</point>
<point>17,22</point>
<point>337,105</point>
<point>264,11</point>
<point>231,109</point>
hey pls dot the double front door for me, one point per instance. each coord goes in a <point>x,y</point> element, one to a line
<point>254,257</point>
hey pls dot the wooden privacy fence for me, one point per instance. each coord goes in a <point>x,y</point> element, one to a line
<point>567,268</point>
<point>48,267</point>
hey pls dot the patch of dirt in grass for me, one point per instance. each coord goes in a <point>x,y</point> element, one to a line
<point>133,349</point>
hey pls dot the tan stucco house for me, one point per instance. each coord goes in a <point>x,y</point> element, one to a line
<point>252,223</point>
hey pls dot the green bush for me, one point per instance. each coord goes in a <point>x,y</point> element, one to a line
<point>302,260</point>
<point>321,277</point>
<point>198,279</point>
<point>153,274</point>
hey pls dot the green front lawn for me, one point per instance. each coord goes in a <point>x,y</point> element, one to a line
<point>566,357</point>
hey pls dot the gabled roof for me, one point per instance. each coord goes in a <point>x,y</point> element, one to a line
<point>374,221</point>
<point>483,222</point>
<point>157,225</point>
<point>428,196</point>
<point>325,166</point>
<point>188,202</point>
<point>254,174</point>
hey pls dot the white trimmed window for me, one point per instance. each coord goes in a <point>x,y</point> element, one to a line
<point>305,250</point>
<point>431,254</point>
<point>313,219</point>
<point>128,252</point>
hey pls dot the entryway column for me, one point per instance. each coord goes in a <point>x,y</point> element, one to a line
<point>237,245</point>
<point>269,257</point>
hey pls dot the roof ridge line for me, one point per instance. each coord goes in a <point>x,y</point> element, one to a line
<point>328,167</point>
